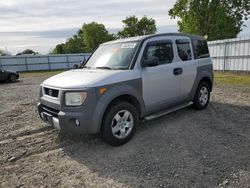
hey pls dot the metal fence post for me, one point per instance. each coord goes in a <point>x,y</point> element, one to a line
<point>26,63</point>
<point>67,58</point>
<point>49,63</point>
<point>0,63</point>
<point>224,58</point>
<point>248,57</point>
<point>243,58</point>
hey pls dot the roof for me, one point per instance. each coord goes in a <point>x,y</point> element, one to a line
<point>144,37</point>
<point>138,38</point>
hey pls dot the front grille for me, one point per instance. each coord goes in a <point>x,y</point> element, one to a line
<point>51,111</point>
<point>51,92</point>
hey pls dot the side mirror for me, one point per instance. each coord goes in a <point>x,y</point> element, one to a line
<point>152,62</point>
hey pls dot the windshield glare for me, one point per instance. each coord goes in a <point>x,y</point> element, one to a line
<point>113,56</point>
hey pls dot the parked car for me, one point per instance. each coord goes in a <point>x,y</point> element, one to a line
<point>8,75</point>
<point>79,66</point>
<point>127,81</point>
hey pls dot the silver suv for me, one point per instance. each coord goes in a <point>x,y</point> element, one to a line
<point>128,81</point>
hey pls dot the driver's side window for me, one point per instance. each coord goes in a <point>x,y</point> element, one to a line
<point>163,51</point>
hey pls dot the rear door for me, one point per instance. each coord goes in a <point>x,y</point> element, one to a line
<point>160,84</point>
<point>187,64</point>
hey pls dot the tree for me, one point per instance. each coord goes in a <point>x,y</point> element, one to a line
<point>4,53</point>
<point>74,44</point>
<point>135,27</point>
<point>27,52</point>
<point>218,19</point>
<point>59,49</point>
<point>94,34</point>
<point>86,40</point>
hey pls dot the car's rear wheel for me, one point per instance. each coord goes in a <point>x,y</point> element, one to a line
<point>202,96</point>
<point>12,78</point>
<point>75,66</point>
<point>119,123</point>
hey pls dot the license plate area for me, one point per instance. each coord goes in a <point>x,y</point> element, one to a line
<point>47,118</point>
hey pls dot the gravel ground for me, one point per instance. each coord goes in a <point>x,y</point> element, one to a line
<point>188,148</point>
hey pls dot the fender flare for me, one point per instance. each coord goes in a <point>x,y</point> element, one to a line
<point>199,77</point>
<point>110,95</point>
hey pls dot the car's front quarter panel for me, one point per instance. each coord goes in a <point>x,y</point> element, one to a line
<point>131,88</point>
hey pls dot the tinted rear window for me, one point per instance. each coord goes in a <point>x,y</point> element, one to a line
<point>184,49</point>
<point>200,49</point>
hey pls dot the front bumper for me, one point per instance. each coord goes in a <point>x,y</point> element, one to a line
<point>63,121</point>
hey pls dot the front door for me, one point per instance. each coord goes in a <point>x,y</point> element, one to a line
<point>160,83</point>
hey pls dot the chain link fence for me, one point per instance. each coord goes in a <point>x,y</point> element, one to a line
<point>41,62</point>
<point>231,54</point>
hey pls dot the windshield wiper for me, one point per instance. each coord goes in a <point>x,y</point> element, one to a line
<point>104,67</point>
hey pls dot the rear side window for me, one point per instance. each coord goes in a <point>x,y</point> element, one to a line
<point>200,49</point>
<point>184,49</point>
<point>161,50</point>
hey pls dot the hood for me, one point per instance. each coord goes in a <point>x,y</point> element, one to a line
<point>81,78</point>
<point>10,71</point>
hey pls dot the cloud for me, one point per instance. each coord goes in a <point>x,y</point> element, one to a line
<point>63,33</point>
<point>31,22</point>
<point>58,14</point>
<point>48,22</point>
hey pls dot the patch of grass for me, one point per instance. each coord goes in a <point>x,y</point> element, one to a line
<point>233,79</point>
<point>39,73</point>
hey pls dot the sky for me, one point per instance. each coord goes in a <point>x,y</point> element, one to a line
<point>41,25</point>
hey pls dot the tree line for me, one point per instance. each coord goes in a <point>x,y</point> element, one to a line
<point>24,52</point>
<point>93,34</point>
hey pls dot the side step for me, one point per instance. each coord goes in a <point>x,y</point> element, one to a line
<point>157,115</point>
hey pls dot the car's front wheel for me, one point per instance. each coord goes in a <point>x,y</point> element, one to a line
<point>12,78</point>
<point>119,123</point>
<point>202,96</point>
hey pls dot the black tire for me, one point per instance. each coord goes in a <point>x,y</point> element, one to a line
<point>200,103</point>
<point>75,66</point>
<point>12,78</point>
<point>109,121</point>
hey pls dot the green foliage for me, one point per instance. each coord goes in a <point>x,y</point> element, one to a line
<point>94,34</point>
<point>135,27</point>
<point>218,19</point>
<point>86,40</point>
<point>59,49</point>
<point>74,44</point>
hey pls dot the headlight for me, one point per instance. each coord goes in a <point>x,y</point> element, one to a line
<point>75,98</point>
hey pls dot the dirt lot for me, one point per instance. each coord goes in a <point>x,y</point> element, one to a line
<point>188,148</point>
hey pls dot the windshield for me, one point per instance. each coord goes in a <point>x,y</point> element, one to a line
<point>112,56</point>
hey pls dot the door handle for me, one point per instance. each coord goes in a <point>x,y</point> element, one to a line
<point>178,71</point>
